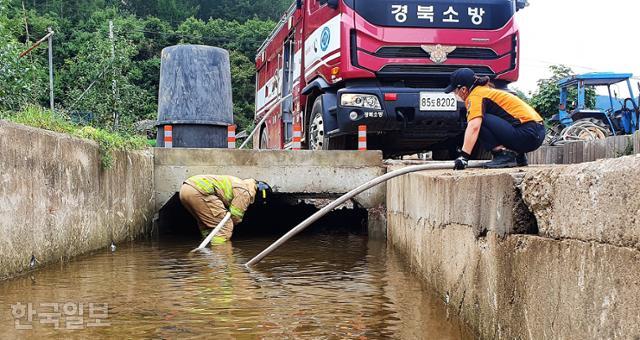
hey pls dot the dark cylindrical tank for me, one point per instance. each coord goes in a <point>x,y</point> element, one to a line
<point>195,96</point>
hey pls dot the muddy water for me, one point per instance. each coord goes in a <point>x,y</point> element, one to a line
<point>317,286</point>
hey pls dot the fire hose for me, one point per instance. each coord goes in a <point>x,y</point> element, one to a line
<point>368,185</point>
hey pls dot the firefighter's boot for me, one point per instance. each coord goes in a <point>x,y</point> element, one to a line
<point>502,159</point>
<point>216,240</point>
<point>521,159</point>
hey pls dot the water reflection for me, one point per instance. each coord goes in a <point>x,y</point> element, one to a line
<point>316,286</point>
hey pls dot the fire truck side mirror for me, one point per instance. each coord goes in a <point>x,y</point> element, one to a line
<point>299,4</point>
<point>521,4</point>
<point>333,3</point>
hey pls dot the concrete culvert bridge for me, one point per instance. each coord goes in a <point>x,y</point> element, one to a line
<point>312,177</point>
<point>527,253</point>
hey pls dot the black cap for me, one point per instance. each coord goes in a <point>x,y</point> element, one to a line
<point>461,77</point>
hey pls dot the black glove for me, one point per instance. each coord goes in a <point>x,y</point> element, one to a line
<point>462,162</point>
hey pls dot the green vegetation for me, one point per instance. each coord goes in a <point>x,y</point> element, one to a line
<point>54,121</point>
<point>546,99</point>
<point>85,71</point>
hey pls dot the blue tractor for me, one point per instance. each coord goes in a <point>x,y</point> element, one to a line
<point>587,123</point>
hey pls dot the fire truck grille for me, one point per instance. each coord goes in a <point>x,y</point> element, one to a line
<point>432,69</point>
<point>417,52</point>
<point>427,82</point>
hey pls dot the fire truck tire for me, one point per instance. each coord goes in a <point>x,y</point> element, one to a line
<point>264,139</point>
<point>318,139</point>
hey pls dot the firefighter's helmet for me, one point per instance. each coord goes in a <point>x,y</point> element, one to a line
<point>263,193</point>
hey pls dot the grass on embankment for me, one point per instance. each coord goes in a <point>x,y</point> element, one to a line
<point>108,141</point>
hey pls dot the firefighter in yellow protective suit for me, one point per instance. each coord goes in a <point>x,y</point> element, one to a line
<point>208,198</point>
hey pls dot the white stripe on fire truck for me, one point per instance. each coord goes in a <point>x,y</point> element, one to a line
<point>322,62</point>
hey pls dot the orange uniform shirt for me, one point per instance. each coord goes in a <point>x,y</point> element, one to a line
<point>484,99</point>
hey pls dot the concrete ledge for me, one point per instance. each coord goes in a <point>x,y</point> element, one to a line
<point>484,200</point>
<point>524,286</point>
<point>598,201</point>
<point>578,278</point>
<point>57,202</point>
<point>298,172</point>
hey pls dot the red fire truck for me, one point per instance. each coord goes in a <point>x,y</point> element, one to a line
<point>333,65</point>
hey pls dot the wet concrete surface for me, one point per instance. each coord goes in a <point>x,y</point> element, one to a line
<point>320,286</point>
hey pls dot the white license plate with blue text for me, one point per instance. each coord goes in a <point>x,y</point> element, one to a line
<point>438,101</point>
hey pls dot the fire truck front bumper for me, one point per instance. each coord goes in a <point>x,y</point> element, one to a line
<point>419,114</point>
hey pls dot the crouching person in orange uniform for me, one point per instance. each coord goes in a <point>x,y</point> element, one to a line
<point>208,198</point>
<point>503,123</point>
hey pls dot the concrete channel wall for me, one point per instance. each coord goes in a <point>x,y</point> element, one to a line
<point>56,200</point>
<point>546,253</point>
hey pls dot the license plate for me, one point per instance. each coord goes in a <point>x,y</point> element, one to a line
<point>438,101</point>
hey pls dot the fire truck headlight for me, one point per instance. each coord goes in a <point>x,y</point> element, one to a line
<point>367,101</point>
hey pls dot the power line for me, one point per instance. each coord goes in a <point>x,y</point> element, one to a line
<point>90,86</point>
<point>186,36</point>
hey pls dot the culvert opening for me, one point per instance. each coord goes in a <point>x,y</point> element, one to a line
<point>284,212</point>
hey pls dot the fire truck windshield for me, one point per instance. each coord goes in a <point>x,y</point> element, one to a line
<point>466,14</point>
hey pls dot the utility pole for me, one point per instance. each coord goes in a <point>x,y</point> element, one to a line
<point>51,99</point>
<point>116,117</point>
<point>26,24</point>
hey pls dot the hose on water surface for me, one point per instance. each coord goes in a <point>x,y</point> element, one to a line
<point>368,185</point>
<point>213,233</point>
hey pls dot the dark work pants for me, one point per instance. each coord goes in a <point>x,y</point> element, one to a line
<point>520,138</point>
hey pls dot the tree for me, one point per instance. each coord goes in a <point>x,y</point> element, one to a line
<point>242,10</point>
<point>19,78</point>
<point>92,64</point>
<point>82,51</point>
<point>546,99</point>
<point>169,10</point>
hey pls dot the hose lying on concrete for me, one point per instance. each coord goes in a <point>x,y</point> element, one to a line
<point>213,233</point>
<point>351,194</point>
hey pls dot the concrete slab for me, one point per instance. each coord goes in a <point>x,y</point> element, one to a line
<point>484,200</point>
<point>297,172</point>
<point>597,201</point>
